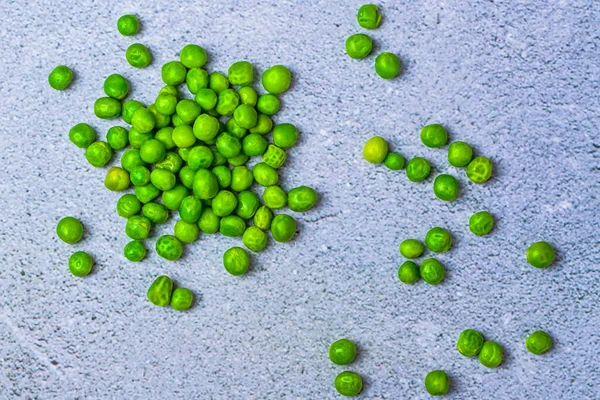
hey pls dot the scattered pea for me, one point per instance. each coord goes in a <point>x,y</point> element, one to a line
<point>128,25</point>
<point>82,135</point>
<point>481,223</point>
<point>432,271</point>
<point>434,135</point>
<point>348,383</point>
<point>116,86</point>
<point>283,228</point>
<point>375,150</point>
<point>438,240</point>
<point>276,79</point>
<point>437,383</point>
<point>138,55</point>
<point>479,169</point>
<point>80,263</point>
<point>342,352</point>
<point>359,46</point>
<point>60,78</point>
<point>411,248</point>
<point>69,230</point>
<point>540,255</point>
<point>445,187</point>
<point>387,65</point>
<point>369,16</point>
<point>491,354</point>
<point>417,169</point>
<point>409,272</point>
<point>459,154</point>
<point>302,198</point>
<point>134,251</point>
<point>538,342</point>
<point>236,261</point>
<point>169,247</point>
<point>394,161</point>
<point>469,343</point>
<point>182,299</point>
<point>160,291</point>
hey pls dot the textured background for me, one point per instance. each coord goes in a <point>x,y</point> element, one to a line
<point>518,80</point>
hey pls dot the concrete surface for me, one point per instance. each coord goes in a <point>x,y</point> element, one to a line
<point>518,80</point>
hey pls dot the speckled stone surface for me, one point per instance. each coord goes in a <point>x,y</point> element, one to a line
<point>518,80</point>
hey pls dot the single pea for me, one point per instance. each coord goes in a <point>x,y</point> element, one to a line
<point>206,127</point>
<point>205,184</point>
<point>459,154</point>
<point>234,129</point>
<point>128,25</point>
<point>82,135</point>
<point>137,139</point>
<point>491,354</point>
<point>131,159</point>
<point>248,95</point>
<point>342,352</point>
<point>165,103</point>
<point>274,197</point>
<point>228,145</point>
<point>254,239</point>
<point>236,261</point>
<point>138,227</point>
<point>438,240</point>
<point>200,157</point>
<point>160,291</point>
<point>182,299</point>
<point>481,223</point>
<point>163,179</point>
<point>218,82</point>
<point>186,176</point>
<point>241,73</point>
<point>185,231</point>
<point>209,222</point>
<point>359,46</point>
<point>418,169</point>
<point>254,145</point>
<point>283,228</point>
<point>128,108</point>
<point>437,383</point>
<point>227,102</point>
<point>69,230</point>
<point>169,89</point>
<point>469,343</point>
<point>241,178</point>
<point>263,217</point>
<point>80,263</point>
<point>193,56</point>
<point>190,209</point>
<point>134,251</point>
<point>348,383</point>
<point>140,176</point>
<point>285,135</point>
<point>375,150</point>
<point>276,79</point>
<point>268,104</point>
<point>138,55</point>
<point>143,120</point>
<point>60,78</point>
<point>116,86</point>
<point>98,154</point>
<point>160,120</point>
<point>434,135</point>
<point>247,204</point>
<point>245,116</point>
<point>479,169</point>
<point>206,98</point>
<point>387,65</point>
<point>165,135</point>
<point>183,136</point>
<point>265,175</point>
<point>369,16</point>
<point>169,247</point>
<point>394,161</point>
<point>196,79</point>
<point>445,187</point>
<point>172,162</point>
<point>172,198</point>
<point>538,342</point>
<point>232,226</point>
<point>411,248</point>
<point>188,110</point>
<point>128,205</point>
<point>274,156</point>
<point>432,271</point>
<point>239,160</point>
<point>302,198</point>
<point>540,255</point>
<point>153,151</point>
<point>264,124</point>
<point>117,179</point>
<point>173,73</point>
<point>117,137</point>
<point>146,193</point>
<point>223,175</point>
<point>155,212</point>
<point>224,203</point>
<point>409,272</point>
<point>107,108</point>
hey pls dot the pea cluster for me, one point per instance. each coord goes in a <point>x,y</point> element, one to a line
<point>343,352</point>
<point>161,294</point>
<point>437,240</point>
<point>70,231</point>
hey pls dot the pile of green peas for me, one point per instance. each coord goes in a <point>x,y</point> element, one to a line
<point>343,352</point>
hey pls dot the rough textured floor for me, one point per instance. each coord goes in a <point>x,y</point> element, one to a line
<point>519,80</point>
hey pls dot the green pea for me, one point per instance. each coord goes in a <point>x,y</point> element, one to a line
<point>432,271</point>
<point>411,248</point>
<point>348,383</point>
<point>160,120</point>
<point>437,383</point>
<point>254,239</point>
<point>173,73</point>
<point>163,179</point>
<point>107,108</point>
<point>128,25</point>
<point>285,135</point>
<point>69,230</point>
<point>138,55</point>
<point>200,157</point>
<point>188,110</point>
<point>190,209</point>
<point>394,161</point>
<point>193,56</point>
<point>234,129</point>
<point>153,151</point>
<point>160,291</point>
<point>138,227</point>
<point>224,203</point>
<point>172,162</point>
<point>218,82</point>
<point>182,299</point>
<point>172,198</point>
<point>268,104</point>
<point>169,247</point>
<point>165,103</point>
<point>418,169</point>
<point>263,217</point>
<point>156,213</point>
<point>302,198</point>
<point>265,175</point>
<point>196,79</point>
<point>369,16</point>
<point>146,193</point>
<point>245,116</point>
<point>143,120</point>
<point>434,135</point>
<point>128,108</point>
<point>409,272</point>
<point>540,255</point>
<point>538,342</point>
<point>187,232</point>
<point>241,178</point>
<point>342,352</point>
<point>481,223</point>
<point>445,187</point>
<point>264,124</point>
<point>117,137</point>
<point>239,160</point>
<point>176,120</point>
<point>491,354</point>
<point>206,127</point>
<point>248,95</point>
<point>276,79</point>
<point>232,226</point>
<point>469,343</point>
<point>459,154</point>
<point>140,176</point>
<point>183,136</point>
<point>131,159</point>
<point>137,139</point>
<point>479,170</point>
<point>186,176</point>
<point>128,205</point>
<point>117,179</point>
<point>375,150</point>
<point>206,98</point>
<point>209,222</point>
<point>387,65</point>
<point>438,240</point>
<point>227,102</point>
<point>223,175</point>
<point>116,86</point>
<point>134,251</point>
<point>283,228</point>
<point>236,261</point>
<point>80,263</point>
<point>82,135</point>
<point>205,184</point>
<point>60,78</point>
<point>359,46</point>
<point>254,145</point>
<point>248,203</point>
<point>98,154</point>
<point>241,73</point>
<point>274,156</point>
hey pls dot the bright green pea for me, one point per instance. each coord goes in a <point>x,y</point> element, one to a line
<point>98,154</point>
<point>432,271</point>
<point>140,176</point>
<point>274,156</point>
<point>283,228</point>
<point>437,383</point>
<point>165,135</point>
<point>228,145</point>
<point>69,230</point>
<point>196,79</point>
<point>342,352</point>
<point>369,16</point>
<point>205,184</point>
<point>169,89</point>
<point>247,204</point>
<point>418,169</point>
<point>172,198</point>
<point>206,98</point>
<point>254,239</point>
<point>268,104</point>
<point>107,108</point>
<point>80,263</point>
<point>200,157</point>
<point>236,261</point>
<point>60,78</point>
<point>206,127</point>
<point>138,227</point>
<point>445,187</point>
<point>375,150</point>
<point>227,102</point>
<point>265,175</point>
<point>469,343</point>
<point>348,383</point>
<point>254,145</point>
<point>409,272</point>
<point>411,248</point>
<point>160,120</point>
<point>209,222</point>
<point>173,73</point>
<point>479,170</point>
<point>143,120</point>
<point>182,299</point>
<point>128,108</point>
<point>137,139</point>
<point>248,95</point>
<point>434,135</point>
<point>163,179</point>
<point>183,136</point>
<point>131,159</point>
<point>232,226</point>
<point>359,46</point>
<point>134,251</point>
<point>264,124</point>
<point>234,129</point>
<point>82,135</point>
<point>193,56</point>
<point>146,193</point>
<point>245,116</point>
<point>165,103</point>
<point>116,86</point>
<point>188,110</point>
<point>160,291</point>
<point>302,198</point>
<point>190,209</point>
<point>394,161</point>
<point>172,162</point>
<point>387,65</point>
<point>156,213</point>
<point>241,73</point>
<point>540,255</point>
<point>276,79</point>
<point>117,137</point>
<point>481,223</point>
<point>218,82</point>
<point>491,354</point>
<point>459,154</point>
<point>263,218</point>
<point>224,203</point>
<point>117,179</point>
<point>186,176</point>
<point>239,160</point>
<point>153,151</point>
<point>241,178</point>
<point>128,205</point>
<point>187,232</point>
<point>285,135</point>
<point>438,240</point>
<point>138,55</point>
<point>538,342</point>
<point>223,175</point>
<point>128,25</point>
<point>169,247</point>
